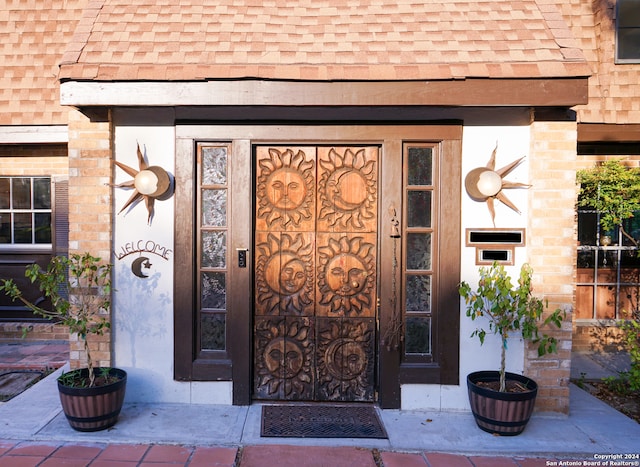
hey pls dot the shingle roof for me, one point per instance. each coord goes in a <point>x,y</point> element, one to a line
<point>321,40</point>
<point>33,36</point>
<point>270,39</point>
<point>614,90</point>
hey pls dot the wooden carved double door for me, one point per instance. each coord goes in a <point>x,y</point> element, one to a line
<point>315,256</point>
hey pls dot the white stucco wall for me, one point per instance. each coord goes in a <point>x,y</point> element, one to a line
<point>478,142</point>
<point>143,307</point>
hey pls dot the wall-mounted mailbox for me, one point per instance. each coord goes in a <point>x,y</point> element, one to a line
<point>495,244</point>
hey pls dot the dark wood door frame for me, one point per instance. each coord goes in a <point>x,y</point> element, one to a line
<point>235,364</point>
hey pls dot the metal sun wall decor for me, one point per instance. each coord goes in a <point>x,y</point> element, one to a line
<point>148,183</point>
<point>486,184</point>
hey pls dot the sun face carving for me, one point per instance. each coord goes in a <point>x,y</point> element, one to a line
<point>346,274</point>
<point>285,188</point>
<point>344,354</point>
<point>284,274</point>
<point>284,358</point>
<point>486,184</point>
<point>347,189</point>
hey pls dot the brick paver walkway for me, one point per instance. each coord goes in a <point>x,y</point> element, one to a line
<point>51,454</point>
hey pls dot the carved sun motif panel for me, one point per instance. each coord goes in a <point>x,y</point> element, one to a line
<point>284,273</point>
<point>284,353</point>
<point>345,359</point>
<point>315,273</point>
<point>285,189</point>
<point>346,275</point>
<point>347,189</point>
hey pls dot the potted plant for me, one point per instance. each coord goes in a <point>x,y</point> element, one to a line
<point>502,402</point>
<point>79,288</point>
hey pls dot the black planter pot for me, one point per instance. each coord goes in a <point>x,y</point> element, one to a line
<point>502,413</point>
<point>96,408</point>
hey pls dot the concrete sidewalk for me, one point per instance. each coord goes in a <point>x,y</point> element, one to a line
<point>592,428</point>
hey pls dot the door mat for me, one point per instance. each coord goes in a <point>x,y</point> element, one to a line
<point>321,421</point>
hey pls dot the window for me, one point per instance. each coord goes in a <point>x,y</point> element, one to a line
<point>213,202</point>
<point>25,212</point>
<point>628,31</point>
<point>418,275</point>
<point>33,226</point>
<point>608,276</point>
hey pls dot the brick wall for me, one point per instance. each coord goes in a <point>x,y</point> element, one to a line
<point>598,337</point>
<point>90,210</point>
<point>33,159</point>
<point>37,332</point>
<point>552,251</point>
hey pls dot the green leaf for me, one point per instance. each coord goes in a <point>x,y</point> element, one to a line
<point>508,308</point>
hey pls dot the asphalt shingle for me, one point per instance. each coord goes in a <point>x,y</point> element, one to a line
<point>322,39</point>
<point>34,34</point>
<point>276,39</point>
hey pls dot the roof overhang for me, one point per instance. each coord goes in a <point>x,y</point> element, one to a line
<point>470,92</point>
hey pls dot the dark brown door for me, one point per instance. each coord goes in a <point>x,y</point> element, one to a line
<point>315,273</point>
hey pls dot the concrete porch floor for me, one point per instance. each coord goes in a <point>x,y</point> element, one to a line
<point>33,426</point>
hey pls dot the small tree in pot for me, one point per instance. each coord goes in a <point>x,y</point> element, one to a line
<point>79,287</point>
<point>509,310</point>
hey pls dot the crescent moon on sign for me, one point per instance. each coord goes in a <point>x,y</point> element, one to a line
<point>138,264</point>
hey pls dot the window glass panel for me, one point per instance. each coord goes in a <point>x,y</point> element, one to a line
<point>41,193</point>
<point>586,258</point>
<point>587,223</point>
<point>628,13</point>
<point>42,227</point>
<point>5,227</point>
<point>214,165</point>
<point>419,251</point>
<point>418,293</point>
<point>628,30</point>
<point>632,227</point>
<point>419,208</point>
<point>214,208</point>
<point>21,193</point>
<point>418,336</point>
<point>214,249</point>
<point>22,228</point>
<point>629,259</point>
<point>213,290</point>
<point>5,193</point>
<point>607,259</point>
<point>629,44</point>
<point>213,331</point>
<point>420,166</point>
